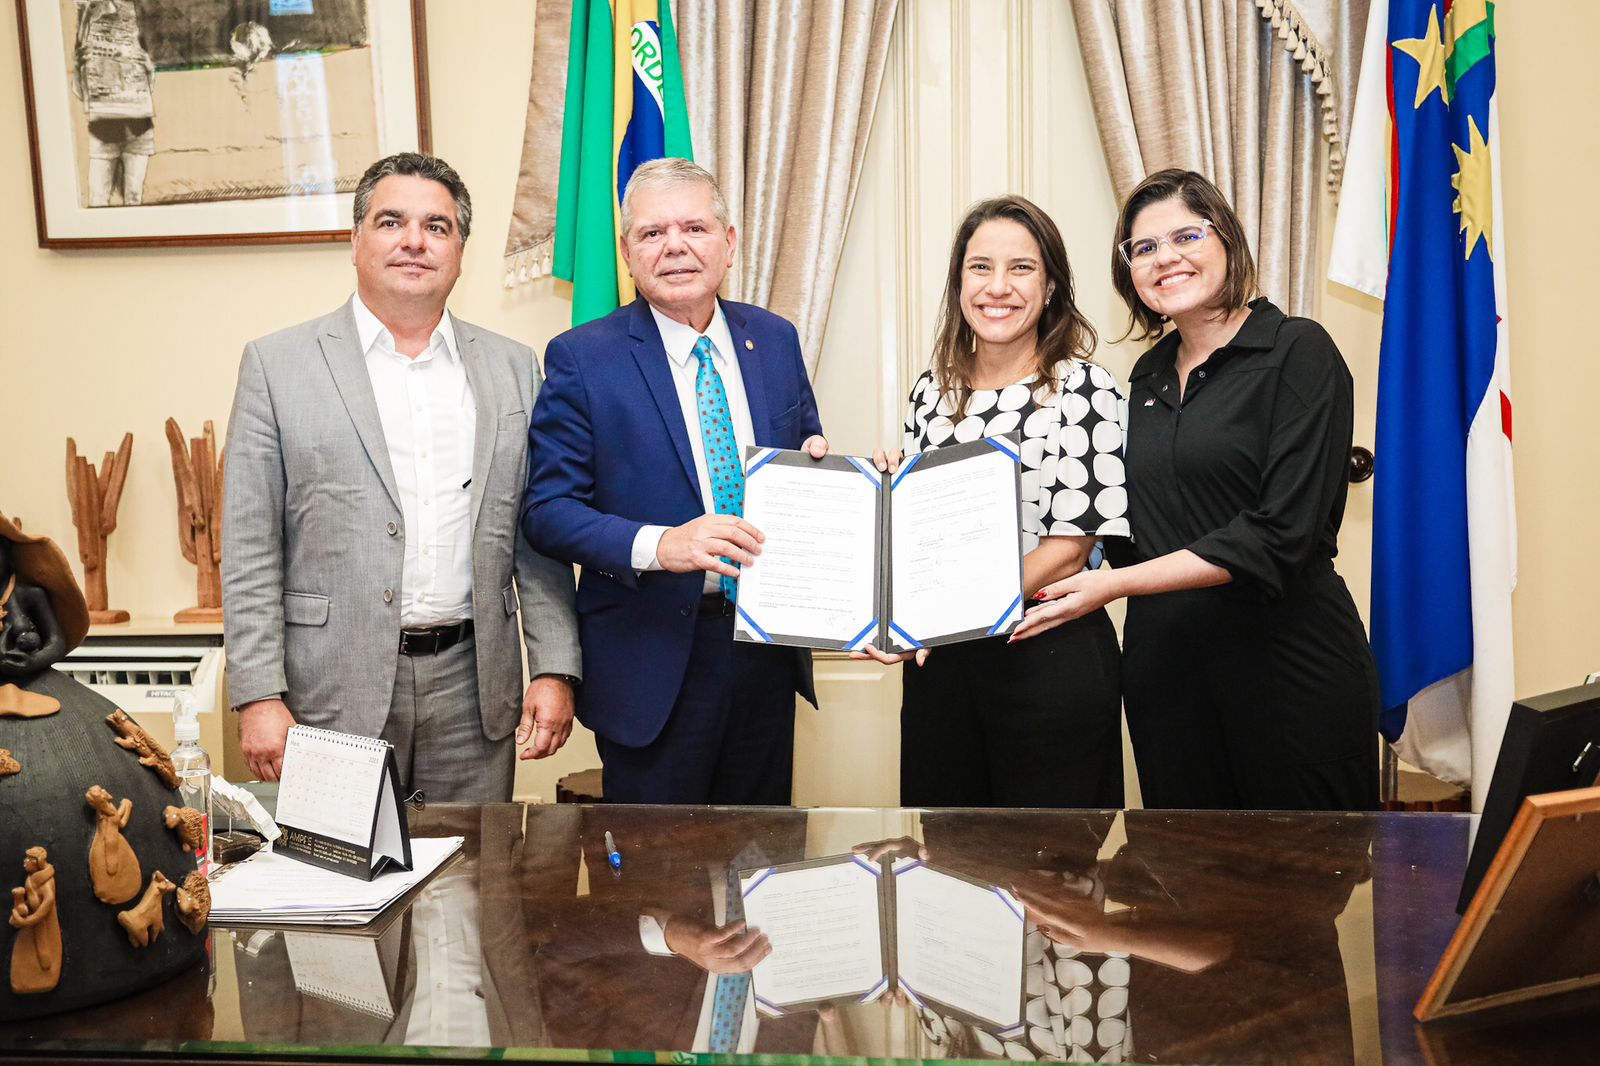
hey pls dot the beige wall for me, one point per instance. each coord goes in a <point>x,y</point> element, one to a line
<point>105,342</point>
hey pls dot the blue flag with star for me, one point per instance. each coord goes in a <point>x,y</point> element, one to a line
<point>1443,528</point>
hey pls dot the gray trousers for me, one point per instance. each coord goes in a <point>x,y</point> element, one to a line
<point>437,732</point>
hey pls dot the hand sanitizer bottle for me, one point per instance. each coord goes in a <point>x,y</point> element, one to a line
<point>193,767</point>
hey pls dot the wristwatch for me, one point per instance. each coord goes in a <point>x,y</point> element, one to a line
<point>572,681</point>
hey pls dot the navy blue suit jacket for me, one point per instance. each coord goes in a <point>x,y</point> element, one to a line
<point>608,453</point>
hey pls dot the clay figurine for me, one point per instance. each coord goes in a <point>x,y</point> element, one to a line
<point>20,703</point>
<point>189,823</point>
<point>113,866</point>
<point>36,954</point>
<point>21,641</point>
<point>136,740</point>
<point>144,921</point>
<point>33,574</point>
<point>8,764</point>
<point>194,902</point>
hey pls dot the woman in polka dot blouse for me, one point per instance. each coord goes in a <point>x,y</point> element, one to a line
<point>985,723</point>
<point>1247,676</point>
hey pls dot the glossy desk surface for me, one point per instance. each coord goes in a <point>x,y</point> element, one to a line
<point>1313,936</point>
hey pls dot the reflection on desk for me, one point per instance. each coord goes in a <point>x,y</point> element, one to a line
<point>1156,937</point>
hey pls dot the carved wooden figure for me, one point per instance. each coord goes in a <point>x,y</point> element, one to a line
<point>36,953</point>
<point>189,823</point>
<point>151,754</point>
<point>197,471</point>
<point>113,867</point>
<point>194,902</point>
<point>95,495</point>
<point>144,921</point>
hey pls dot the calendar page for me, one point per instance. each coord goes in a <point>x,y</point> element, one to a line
<point>339,803</point>
<point>330,783</point>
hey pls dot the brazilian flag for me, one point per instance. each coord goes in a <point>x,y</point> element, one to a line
<point>624,107</point>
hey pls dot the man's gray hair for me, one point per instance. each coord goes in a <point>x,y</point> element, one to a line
<point>668,173</point>
<point>416,165</point>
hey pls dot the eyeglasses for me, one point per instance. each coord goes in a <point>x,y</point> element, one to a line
<point>1138,250</point>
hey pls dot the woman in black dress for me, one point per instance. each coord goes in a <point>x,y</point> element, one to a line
<point>1247,677</point>
<point>984,723</point>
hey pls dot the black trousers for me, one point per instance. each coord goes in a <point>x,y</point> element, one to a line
<point>1031,724</point>
<point>1236,703</point>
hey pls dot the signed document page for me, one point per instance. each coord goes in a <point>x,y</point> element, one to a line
<point>824,921</point>
<point>955,545</point>
<point>961,944</point>
<point>815,583</point>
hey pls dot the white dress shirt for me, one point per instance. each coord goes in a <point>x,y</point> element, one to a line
<point>450,1006</point>
<point>429,421</point>
<point>679,341</point>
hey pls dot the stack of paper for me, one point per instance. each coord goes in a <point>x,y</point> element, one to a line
<point>272,889</point>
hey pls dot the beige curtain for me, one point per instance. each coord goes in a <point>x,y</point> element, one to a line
<point>1239,90</point>
<point>531,239</point>
<point>1325,38</point>
<point>781,97</point>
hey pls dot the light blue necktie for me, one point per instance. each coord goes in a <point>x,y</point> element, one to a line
<point>722,450</point>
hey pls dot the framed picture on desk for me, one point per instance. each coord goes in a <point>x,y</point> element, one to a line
<point>1533,928</point>
<point>171,122</point>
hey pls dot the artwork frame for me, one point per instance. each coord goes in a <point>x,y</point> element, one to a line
<point>1529,932</point>
<point>253,147</point>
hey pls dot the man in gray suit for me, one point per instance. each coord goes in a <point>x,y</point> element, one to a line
<point>371,566</point>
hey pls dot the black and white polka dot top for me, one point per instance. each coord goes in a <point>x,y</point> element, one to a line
<point>1072,445</point>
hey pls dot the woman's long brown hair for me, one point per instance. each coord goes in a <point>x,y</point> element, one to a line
<point>1063,332</point>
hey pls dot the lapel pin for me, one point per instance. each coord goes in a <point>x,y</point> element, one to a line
<point>1151,402</point>
<point>749,345</point>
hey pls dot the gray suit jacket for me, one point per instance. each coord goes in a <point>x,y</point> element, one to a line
<point>312,534</point>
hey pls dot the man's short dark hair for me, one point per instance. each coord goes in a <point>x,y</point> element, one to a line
<point>416,165</point>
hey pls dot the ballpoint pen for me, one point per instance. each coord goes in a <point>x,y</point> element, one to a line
<point>613,856</point>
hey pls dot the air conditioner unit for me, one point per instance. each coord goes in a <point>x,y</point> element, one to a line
<point>144,674</point>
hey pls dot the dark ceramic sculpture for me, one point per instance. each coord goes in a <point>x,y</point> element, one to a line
<point>48,827</point>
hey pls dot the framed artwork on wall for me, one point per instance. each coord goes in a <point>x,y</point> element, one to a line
<point>171,122</point>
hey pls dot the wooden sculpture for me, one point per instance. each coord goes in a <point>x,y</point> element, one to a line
<point>144,921</point>
<point>151,754</point>
<point>113,867</point>
<point>36,953</point>
<point>197,471</point>
<point>95,495</point>
<point>194,902</point>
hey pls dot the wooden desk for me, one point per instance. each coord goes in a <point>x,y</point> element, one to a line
<point>1320,931</point>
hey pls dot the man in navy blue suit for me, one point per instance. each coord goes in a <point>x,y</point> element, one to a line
<point>636,474</point>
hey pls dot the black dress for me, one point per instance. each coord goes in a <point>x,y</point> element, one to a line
<point>1037,723</point>
<point>1262,693</point>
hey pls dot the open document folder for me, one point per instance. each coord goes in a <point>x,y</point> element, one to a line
<point>929,555</point>
<point>268,888</point>
<point>845,929</point>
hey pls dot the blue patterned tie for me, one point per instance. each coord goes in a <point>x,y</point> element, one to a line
<point>722,451</point>
<point>732,989</point>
